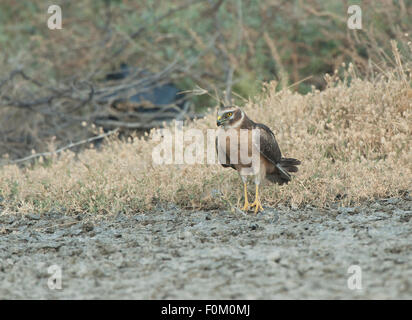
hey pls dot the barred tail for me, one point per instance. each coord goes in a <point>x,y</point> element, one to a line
<point>284,166</point>
<point>289,164</point>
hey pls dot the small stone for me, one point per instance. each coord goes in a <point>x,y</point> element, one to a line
<point>87,227</point>
<point>33,216</point>
<point>253,226</point>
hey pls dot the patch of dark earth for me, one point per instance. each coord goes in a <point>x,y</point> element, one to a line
<point>175,254</point>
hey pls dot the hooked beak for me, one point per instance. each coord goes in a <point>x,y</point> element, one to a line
<point>219,121</point>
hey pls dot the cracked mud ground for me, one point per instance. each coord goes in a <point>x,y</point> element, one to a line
<point>175,254</point>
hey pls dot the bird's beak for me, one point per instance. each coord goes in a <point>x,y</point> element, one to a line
<point>219,121</point>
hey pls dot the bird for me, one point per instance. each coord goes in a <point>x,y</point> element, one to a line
<point>270,164</point>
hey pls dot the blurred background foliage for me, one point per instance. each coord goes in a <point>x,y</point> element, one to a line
<point>219,45</point>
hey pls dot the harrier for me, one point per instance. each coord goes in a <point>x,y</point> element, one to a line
<point>270,164</point>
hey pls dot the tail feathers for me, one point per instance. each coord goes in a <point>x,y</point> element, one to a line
<point>289,164</point>
<point>290,161</point>
<point>284,166</point>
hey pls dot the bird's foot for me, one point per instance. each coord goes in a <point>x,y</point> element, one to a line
<point>246,206</point>
<point>257,205</point>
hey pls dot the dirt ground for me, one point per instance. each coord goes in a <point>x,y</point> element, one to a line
<point>175,254</point>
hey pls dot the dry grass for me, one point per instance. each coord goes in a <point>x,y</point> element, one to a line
<point>354,142</point>
<point>204,40</point>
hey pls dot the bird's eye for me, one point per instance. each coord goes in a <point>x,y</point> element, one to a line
<point>229,114</point>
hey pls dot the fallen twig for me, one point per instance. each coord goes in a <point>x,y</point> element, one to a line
<point>71,145</point>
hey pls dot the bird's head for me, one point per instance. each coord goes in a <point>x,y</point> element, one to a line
<point>229,117</point>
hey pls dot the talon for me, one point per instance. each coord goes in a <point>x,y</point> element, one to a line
<point>256,203</point>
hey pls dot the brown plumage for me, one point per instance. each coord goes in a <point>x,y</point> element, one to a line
<point>271,165</point>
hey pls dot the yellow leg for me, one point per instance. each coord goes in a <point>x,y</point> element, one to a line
<point>246,206</point>
<point>256,203</point>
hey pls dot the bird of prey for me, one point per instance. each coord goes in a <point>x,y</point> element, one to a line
<point>270,164</point>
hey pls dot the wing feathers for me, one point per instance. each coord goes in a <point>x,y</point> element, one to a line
<point>285,175</point>
<point>268,146</point>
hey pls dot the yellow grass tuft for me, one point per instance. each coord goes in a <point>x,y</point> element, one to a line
<point>354,142</point>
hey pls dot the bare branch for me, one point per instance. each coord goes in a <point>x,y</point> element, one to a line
<point>71,145</point>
